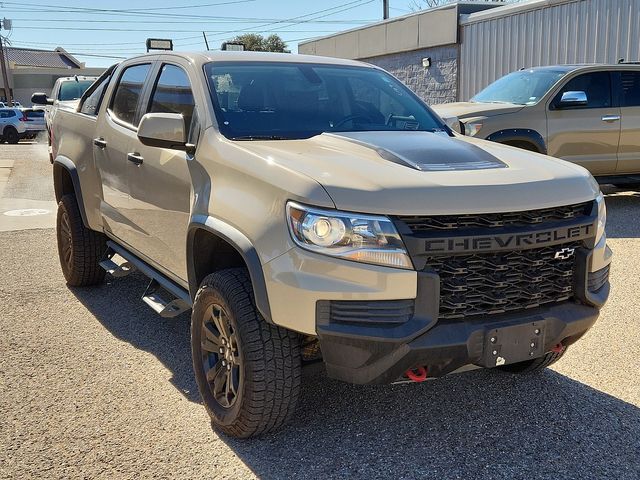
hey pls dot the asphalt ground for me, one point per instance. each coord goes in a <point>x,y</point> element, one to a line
<point>94,385</point>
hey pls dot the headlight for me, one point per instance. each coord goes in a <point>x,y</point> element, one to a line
<point>602,217</point>
<point>471,129</point>
<point>352,236</point>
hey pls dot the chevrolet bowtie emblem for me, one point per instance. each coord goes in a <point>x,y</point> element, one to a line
<point>565,253</point>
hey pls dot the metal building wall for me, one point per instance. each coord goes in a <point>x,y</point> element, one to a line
<point>553,32</point>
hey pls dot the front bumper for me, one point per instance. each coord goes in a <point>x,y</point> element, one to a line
<point>377,353</point>
<point>443,347</point>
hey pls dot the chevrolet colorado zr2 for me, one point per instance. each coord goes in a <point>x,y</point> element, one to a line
<point>307,208</point>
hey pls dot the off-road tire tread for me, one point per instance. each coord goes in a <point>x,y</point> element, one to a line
<point>88,247</point>
<point>532,366</point>
<point>271,356</point>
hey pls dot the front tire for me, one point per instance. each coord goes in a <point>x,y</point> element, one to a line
<point>79,248</point>
<point>247,371</point>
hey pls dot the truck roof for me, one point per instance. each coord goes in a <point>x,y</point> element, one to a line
<point>581,66</point>
<point>226,56</point>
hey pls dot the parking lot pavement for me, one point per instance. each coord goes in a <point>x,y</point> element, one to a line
<point>26,189</point>
<point>94,385</point>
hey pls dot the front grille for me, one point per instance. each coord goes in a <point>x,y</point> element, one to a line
<point>385,312</point>
<point>492,283</point>
<point>421,223</point>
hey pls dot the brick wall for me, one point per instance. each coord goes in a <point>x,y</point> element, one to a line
<point>437,84</point>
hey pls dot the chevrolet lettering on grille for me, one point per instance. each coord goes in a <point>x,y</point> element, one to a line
<point>512,241</point>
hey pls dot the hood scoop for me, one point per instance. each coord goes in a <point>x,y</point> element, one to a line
<point>424,151</point>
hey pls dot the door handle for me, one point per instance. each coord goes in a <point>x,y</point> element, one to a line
<point>100,142</point>
<point>135,158</point>
<point>611,118</point>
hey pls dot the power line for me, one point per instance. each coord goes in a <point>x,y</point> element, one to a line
<point>137,21</point>
<point>301,18</point>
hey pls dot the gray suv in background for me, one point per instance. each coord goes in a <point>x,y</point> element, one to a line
<point>586,114</point>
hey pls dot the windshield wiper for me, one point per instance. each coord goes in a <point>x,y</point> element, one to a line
<point>259,137</point>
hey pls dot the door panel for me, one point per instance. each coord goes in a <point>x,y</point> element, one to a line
<point>160,186</point>
<point>586,135</point>
<point>115,139</point>
<point>629,149</point>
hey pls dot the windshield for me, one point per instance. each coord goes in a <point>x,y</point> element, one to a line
<point>73,90</point>
<point>525,87</point>
<point>270,100</point>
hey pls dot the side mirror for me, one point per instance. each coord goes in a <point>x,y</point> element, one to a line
<point>573,99</point>
<point>164,130</point>
<point>41,99</point>
<point>453,123</point>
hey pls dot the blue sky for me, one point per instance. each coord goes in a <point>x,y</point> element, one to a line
<point>119,28</point>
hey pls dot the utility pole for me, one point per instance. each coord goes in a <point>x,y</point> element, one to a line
<point>5,77</point>
<point>6,24</point>
<point>385,9</point>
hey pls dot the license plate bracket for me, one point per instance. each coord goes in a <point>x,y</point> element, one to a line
<point>513,344</point>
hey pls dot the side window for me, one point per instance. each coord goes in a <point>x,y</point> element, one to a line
<point>172,94</point>
<point>7,114</point>
<point>596,85</point>
<point>92,102</point>
<point>630,94</point>
<point>127,94</point>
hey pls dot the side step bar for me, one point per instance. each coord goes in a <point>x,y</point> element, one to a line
<point>165,308</point>
<point>155,294</point>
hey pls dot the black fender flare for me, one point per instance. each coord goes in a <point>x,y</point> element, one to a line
<point>520,135</point>
<point>70,167</point>
<point>243,246</point>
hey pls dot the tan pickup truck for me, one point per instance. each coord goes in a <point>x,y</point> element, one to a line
<point>586,114</point>
<point>307,208</point>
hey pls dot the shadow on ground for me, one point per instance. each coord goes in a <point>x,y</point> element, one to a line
<point>119,308</point>
<point>479,424</point>
<point>622,213</point>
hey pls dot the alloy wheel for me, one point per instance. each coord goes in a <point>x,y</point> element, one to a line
<point>66,241</point>
<point>221,359</point>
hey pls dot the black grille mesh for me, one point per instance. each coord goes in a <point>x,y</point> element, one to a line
<point>597,279</point>
<point>372,312</point>
<point>492,283</point>
<point>420,223</point>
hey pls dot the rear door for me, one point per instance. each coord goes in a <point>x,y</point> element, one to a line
<point>629,149</point>
<point>587,135</point>
<point>160,186</point>
<point>115,135</point>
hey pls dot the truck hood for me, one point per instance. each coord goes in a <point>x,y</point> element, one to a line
<point>464,110</point>
<point>428,173</point>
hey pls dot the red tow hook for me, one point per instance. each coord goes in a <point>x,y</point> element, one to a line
<point>559,348</point>
<point>418,374</point>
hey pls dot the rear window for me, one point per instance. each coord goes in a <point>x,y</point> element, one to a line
<point>127,95</point>
<point>73,90</point>
<point>34,113</point>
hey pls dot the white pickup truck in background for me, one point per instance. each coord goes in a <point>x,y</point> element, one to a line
<point>66,93</point>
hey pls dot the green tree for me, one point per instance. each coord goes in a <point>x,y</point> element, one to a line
<point>257,43</point>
